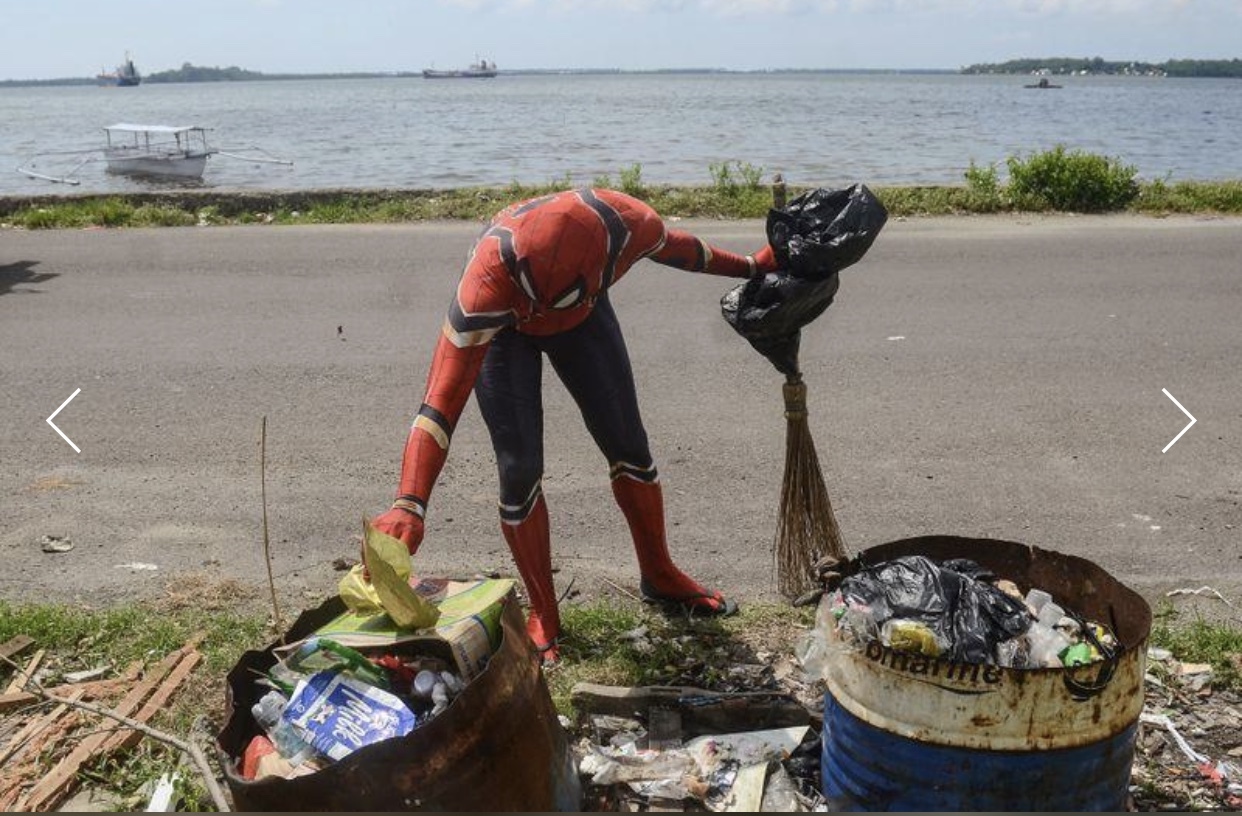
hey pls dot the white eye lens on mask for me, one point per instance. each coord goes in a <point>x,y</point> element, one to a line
<point>571,297</point>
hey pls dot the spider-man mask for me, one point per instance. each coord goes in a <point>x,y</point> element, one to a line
<point>561,247</point>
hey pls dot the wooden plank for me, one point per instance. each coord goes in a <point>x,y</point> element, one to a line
<point>128,737</point>
<point>702,712</point>
<point>19,782</point>
<point>52,788</point>
<point>23,676</point>
<point>33,727</point>
<point>15,645</point>
<point>94,689</point>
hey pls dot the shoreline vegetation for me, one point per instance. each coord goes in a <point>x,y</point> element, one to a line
<point>1052,181</point>
<point>1060,66</point>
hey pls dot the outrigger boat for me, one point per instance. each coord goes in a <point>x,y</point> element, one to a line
<point>157,151</point>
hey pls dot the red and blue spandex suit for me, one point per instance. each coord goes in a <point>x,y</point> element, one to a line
<point>537,284</point>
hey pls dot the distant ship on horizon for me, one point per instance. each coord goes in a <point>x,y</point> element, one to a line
<point>125,76</point>
<point>481,69</point>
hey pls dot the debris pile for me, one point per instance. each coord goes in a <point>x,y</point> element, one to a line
<point>1189,748</point>
<point>669,748</point>
<point>54,723</point>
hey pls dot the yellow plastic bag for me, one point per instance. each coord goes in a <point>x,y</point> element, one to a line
<point>358,593</point>
<point>389,589</point>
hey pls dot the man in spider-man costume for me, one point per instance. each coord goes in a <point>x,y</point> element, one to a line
<point>537,284</point>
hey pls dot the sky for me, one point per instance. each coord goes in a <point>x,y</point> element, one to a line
<point>46,39</point>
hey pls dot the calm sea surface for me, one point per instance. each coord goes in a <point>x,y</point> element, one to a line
<point>817,129</point>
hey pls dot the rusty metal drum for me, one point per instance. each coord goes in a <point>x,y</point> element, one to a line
<point>498,747</point>
<point>907,732</point>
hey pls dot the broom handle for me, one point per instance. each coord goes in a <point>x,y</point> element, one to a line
<point>795,397</point>
<point>778,191</point>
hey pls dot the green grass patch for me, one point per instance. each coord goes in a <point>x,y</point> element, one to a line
<point>1056,180</point>
<point>628,644</point>
<point>1198,640</point>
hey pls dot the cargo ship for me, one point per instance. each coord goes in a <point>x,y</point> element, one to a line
<point>125,76</point>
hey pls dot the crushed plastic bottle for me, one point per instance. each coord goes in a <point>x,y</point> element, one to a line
<point>317,653</point>
<point>286,736</point>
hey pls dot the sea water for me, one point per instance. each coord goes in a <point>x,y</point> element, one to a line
<point>821,129</point>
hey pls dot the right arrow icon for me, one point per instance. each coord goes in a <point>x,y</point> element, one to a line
<point>1188,424</point>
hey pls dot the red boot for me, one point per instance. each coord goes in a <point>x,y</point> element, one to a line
<point>531,544</point>
<point>662,582</point>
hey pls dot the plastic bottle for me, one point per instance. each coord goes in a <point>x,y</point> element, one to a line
<point>283,734</point>
<point>424,684</point>
<point>355,662</point>
<point>1046,646</point>
<point>1035,599</point>
<point>1050,614</point>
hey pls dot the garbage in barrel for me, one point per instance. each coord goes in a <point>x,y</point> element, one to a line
<point>349,712</point>
<point>950,691</point>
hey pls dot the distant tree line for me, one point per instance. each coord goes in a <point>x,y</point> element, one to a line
<point>201,73</point>
<point>1097,66</point>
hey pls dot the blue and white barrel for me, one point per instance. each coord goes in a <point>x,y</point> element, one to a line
<point>907,732</point>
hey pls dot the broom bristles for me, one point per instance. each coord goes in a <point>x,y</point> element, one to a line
<point>806,528</point>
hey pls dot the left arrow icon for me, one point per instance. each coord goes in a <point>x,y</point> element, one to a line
<point>58,430</point>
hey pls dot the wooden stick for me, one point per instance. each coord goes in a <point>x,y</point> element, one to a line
<point>267,553</point>
<point>92,690</point>
<point>24,676</point>
<point>778,191</point>
<point>622,590</point>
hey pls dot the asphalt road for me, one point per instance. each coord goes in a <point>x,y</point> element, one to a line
<point>997,377</point>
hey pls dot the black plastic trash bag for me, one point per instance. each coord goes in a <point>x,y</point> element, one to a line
<point>821,232</point>
<point>968,615</point>
<point>814,237</point>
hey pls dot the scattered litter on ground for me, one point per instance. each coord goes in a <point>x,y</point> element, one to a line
<point>138,566</point>
<point>55,544</point>
<point>1189,739</point>
<point>1203,590</point>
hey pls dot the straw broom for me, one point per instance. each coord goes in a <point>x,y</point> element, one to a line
<point>806,528</point>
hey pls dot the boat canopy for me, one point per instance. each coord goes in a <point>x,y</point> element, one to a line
<point>125,128</point>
